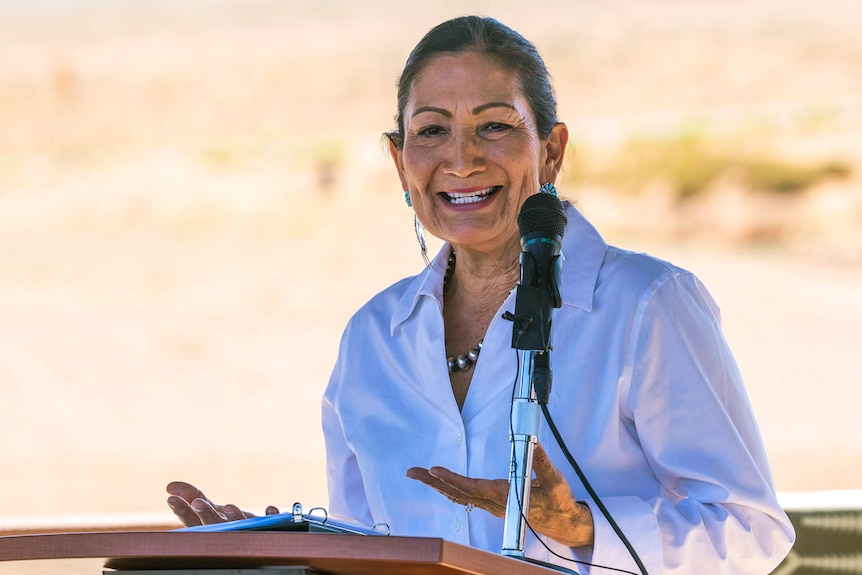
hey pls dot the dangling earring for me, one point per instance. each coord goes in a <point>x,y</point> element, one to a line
<point>548,188</point>
<point>420,235</point>
<point>419,229</point>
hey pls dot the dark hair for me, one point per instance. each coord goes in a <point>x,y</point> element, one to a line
<point>490,37</point>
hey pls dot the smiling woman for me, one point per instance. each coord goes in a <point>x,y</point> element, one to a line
<point>472,153</point>
<point>649,397</point>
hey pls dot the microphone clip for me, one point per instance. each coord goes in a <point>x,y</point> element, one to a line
<point>532,318</point>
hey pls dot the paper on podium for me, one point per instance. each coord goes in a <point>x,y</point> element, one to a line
<point>293,521</point>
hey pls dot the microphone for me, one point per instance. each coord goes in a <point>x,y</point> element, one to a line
<point>541,223</point>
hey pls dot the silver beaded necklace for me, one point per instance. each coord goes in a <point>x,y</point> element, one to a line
<point>466,360</point>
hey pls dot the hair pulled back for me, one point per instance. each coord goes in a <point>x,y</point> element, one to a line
<point>489,37</point>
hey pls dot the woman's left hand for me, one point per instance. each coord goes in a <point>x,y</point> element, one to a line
<point>554,512</point>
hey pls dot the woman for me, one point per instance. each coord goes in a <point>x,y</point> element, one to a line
<point>647,394</point>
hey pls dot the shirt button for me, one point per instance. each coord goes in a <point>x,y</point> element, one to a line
<point>459,438</point>
<point>456,526</point>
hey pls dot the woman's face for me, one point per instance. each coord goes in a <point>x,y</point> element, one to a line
<point>471,152</point>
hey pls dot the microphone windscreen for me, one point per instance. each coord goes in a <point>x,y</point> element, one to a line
<point>542,213</point>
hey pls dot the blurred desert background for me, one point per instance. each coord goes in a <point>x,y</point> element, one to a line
<point>194,197</point>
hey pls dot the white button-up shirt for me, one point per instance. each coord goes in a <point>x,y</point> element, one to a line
<point>646,394</point>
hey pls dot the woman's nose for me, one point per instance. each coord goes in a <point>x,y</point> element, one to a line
<point>466,156</point>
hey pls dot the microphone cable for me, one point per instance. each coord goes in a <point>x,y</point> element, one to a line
<point>599,503</point>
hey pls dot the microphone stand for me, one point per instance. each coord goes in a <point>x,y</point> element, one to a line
<point>534,387</point>
<point>523,436</point>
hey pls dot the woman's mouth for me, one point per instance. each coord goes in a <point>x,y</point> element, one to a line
<point>460,198</point>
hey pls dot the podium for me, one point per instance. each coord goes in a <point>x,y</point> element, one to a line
<point>262,551</point>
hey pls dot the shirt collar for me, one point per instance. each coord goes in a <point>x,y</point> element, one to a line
<point>583,252</point>
<point>428,283</point>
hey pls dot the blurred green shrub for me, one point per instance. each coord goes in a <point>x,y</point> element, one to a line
<point>691,164</point>
<point>783,177</point>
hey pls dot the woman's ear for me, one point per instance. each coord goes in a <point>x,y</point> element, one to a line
<point>397,158</point>
<point>555,151</point>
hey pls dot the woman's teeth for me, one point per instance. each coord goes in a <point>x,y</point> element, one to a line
<point>470,198</point>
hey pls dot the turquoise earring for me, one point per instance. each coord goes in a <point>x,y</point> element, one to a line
<point>407,198</point>
<point>548,188</point>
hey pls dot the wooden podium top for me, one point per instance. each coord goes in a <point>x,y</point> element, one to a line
<point>329,553</point>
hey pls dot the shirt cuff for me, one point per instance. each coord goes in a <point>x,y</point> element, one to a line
<point>637,521</point>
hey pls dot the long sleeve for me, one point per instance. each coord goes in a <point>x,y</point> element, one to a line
<point>344,479</point>
<point>685,401</point>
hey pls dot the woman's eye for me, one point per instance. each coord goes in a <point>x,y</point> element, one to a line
<point>430,131</point>
<point>496,127</point>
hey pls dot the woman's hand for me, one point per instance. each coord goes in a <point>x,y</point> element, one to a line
<point>553,509</point>
<point>193,508</point>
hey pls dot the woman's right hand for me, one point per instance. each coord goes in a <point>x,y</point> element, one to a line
<point>194,508</point>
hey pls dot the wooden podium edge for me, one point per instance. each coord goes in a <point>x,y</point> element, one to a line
<point>326,552</point>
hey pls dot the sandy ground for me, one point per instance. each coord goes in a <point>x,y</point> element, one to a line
<point>193,200</point>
